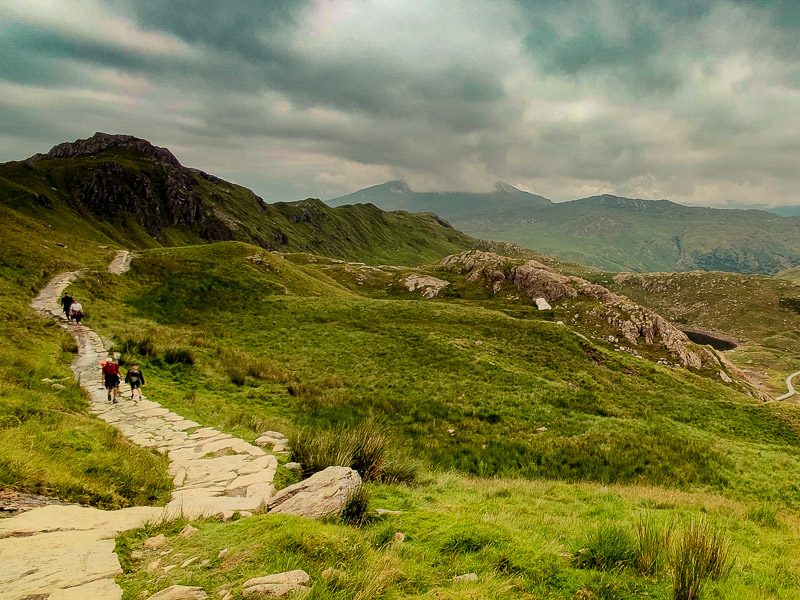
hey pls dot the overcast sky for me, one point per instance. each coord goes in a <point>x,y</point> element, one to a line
<point>694,101</point>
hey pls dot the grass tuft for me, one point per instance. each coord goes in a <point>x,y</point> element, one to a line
<point>356,511</point>
<point>701,552</point>
<point>652,546</point>
<point>366,448</point>
<point>606,547</point>
<point>763,515</point>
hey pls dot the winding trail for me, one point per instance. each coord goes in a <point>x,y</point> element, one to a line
<point>67,552</point>
<point>789,385</point>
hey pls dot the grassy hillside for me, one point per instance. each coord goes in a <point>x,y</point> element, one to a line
<point>792,275</point>
<point>121,191</point>
<point>465,381</point>
<point>49,443</point>
<point>763,313</point>
<point>612,233</point>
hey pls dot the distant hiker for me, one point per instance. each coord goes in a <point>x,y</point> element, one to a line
<point>66,304</point>
<point>135,378</point>
<point>111,379</point>
<point>76,310</point>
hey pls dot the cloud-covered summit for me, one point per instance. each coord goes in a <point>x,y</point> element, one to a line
<point>692,101</point>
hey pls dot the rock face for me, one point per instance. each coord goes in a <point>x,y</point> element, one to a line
<point>322,495</point>
<point>633,322</point>
<point>429,286</point>
<point>157,197</point>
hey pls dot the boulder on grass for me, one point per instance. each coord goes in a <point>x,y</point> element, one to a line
<point>322,495</point>
<point>180,592</point>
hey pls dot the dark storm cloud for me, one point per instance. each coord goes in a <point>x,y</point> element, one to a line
<point>665,98</point>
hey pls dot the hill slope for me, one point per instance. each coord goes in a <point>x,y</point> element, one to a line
<point>613,233</point>
<point>121,190</point>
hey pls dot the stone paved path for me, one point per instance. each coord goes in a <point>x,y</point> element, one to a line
<point>66,552</point>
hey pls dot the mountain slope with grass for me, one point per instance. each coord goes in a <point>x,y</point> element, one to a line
<point>792,275</point>
<point>123,191</point>
<point>609,232</point>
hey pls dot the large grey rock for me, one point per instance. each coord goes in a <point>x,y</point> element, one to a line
<point>296,577</point>
<point>180,592</point>
<point>323,494</point>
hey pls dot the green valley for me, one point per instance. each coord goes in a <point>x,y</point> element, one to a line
<point>586,450</point>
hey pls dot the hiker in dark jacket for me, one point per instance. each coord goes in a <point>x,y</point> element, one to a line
<point>135,378</point>
<point>66,304</point>
<point>111,379</point>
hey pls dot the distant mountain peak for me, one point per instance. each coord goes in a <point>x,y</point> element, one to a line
<point>502,186</point>
<point>100,142</point>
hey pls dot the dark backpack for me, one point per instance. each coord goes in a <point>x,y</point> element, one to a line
<point>110,368</point>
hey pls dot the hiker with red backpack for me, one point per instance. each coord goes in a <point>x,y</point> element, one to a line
<point>111,379</point>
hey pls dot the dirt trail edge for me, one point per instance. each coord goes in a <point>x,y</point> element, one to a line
<point>67,552</point>
<point>789,385</point>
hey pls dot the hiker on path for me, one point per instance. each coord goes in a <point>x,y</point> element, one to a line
<point>76,310</point>
<point>111,379</point>
<point>135,378</point>
<point>66,304</point>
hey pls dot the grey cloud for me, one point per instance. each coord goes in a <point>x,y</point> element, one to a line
<point>448,114</point>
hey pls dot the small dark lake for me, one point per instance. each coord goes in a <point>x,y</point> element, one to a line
<point>701,337</point>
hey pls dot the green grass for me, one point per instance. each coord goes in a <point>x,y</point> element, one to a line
<point>517,536</point>
<point>467,385</point>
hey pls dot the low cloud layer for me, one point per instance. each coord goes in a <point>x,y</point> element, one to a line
<point>687,100</point>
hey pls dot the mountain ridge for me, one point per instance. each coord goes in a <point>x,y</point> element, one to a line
<point>612,232</point>
<point>123,190</point>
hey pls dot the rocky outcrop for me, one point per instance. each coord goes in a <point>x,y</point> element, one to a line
<point>322,495</point>
<point>633,322</point>
<point>100,142</point>
<point>429,287</point>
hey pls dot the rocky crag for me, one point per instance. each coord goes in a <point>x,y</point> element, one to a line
<point>632,322</point>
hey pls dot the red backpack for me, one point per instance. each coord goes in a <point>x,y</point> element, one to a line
<point>110,368</point>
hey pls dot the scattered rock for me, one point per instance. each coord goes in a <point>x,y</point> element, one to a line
<point>466,577</point>
<point>298,576</point>
<point>382,511</point>
<point>188,561</point>
<point>293,466</point>
<point>153,566</point>
<point>399,537</point>
<point>180,592</point>
<point>279,448</point>
<point>223,552</point>
<point>155,542</point>
<point>331,574</point>
<point>430,286</point>
<point>277,585</point>
<point>137,555</point>
<point>204,563</point>
<point>542,429</point>
<point>322,495</point>
<point>725,377</point>
<point>187,531</point>
<point>543,304</point>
